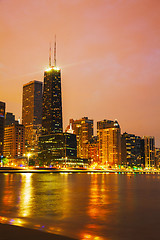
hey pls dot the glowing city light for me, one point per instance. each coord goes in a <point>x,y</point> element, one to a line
<point>48,69</point>
<point>28,155</point>
<point>54,68</point>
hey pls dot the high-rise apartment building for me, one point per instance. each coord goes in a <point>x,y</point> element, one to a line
<point>149,151</point>
<point>83,128</point>
<point>2,122</point>
<point>32,114</point>
<point>109,139</point>
<point>14,141</point>
<point>52,102</point>
<point>131,150</point>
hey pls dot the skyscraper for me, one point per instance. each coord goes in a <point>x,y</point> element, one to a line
<point>54,145</point>
<point>2,121</point>
<point>109,139</point>
<point>52,100</point>
<point>32,112</point>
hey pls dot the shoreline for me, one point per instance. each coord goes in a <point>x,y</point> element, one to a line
<point>8,232</point>
<point>70,171</point>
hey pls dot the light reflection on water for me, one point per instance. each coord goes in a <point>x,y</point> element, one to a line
<point>25,195</point>
<point>83,206</point>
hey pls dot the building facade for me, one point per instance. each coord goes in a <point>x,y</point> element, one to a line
<point>93,151</point>
<point>131,150</point>
<point>14,141</point>
<point>83,129</point>
<point>109,142</point>
<point>32,114</point>
<point>149,151</point>
<point>55,149</point>
<point>2,123</point>
<point>157,158</point>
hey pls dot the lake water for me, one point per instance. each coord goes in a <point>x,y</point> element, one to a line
<point>83,206</point>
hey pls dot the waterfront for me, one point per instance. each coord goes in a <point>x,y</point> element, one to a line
<point>83,206</point>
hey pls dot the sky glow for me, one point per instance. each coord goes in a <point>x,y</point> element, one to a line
<point>108,50</point>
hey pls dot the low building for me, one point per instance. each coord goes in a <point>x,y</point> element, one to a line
<point>55,149</point>
<point>32,133</point>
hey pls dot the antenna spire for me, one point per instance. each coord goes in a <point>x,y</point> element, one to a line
<point>55,52</point>
<point>50,55</point>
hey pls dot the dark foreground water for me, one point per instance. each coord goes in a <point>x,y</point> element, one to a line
<point>83,206</point>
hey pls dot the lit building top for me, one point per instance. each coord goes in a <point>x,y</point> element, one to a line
<point>52,68</point>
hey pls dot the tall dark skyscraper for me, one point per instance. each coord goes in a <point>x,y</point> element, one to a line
<point>55,147</point>
<point>2,121</point>
<point>52,100</point>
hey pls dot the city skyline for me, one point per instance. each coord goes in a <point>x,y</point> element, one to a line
<point>113,67</point>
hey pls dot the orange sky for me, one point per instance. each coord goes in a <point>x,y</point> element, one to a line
<point>109,52</point>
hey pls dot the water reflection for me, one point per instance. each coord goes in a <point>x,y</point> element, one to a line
<point>97,197</point>
<point>9,196</point>
<point>16,198</point>
<point>66,203</point>
<point>97,207</point>
<point>83,206</point>
<point>25,195</point>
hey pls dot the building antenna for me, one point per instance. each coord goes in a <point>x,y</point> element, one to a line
<point>50,55</point>
<point>55,52</point>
